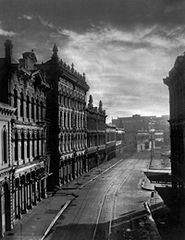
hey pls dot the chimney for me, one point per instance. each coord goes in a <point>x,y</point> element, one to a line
<point>8,50</point>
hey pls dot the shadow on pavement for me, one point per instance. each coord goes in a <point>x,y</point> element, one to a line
<point>132,225</point>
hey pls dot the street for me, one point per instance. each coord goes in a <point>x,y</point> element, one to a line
<point>102,204</point>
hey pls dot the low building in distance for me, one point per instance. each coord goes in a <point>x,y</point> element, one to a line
<point>136,124</point>
<point>96,125</point>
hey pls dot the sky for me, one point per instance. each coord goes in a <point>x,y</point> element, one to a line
<point>125,47</point>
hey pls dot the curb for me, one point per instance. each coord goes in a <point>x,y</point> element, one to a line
<point>56,218</point>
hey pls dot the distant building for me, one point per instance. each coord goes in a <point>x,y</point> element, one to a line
<point>136,123</point>
<point>143,140</point>
<point>147,140</point>
<point>96,128</point>
<point>176,85</point>
<point>110,141</point>
<point>120,142</point>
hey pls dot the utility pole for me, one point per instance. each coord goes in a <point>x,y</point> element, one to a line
<point>151,151</point>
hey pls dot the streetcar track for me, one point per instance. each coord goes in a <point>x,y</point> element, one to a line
<point>112,212</point>
<point>100,211</point>
<point>84,203</point>
<point>114,205</point>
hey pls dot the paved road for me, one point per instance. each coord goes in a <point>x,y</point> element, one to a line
<point>103,203</point>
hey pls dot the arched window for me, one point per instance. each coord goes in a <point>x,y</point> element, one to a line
<point>22,145</point>
<point>64,119</point>
<point>37,109</point>
<point>65,148</point>
<point>27,106</point>
<point>33,145</point>
<point>61,143</point>
<point>28,145</point>
<point>42,143</point>
<point>32,108</point>
<point>69,142</point>
<point>38,138</point>
<point>5,160</point>
<point>16,146</point>
<point>41,110</point>
<point>22,105</point>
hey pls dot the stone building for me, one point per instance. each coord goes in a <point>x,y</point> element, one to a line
<point>176,85</point>
<point>67,137</point>
<point>23,86</point>
<point>6,169</point>
<point>96,125</point>
<point>149,139</point>
<point>132,125</point>
<point>120,142</point>
<point>110,141</point>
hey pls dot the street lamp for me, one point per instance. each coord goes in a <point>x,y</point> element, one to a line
<point>151,152</point>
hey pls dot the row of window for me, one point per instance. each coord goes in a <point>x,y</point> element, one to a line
<point>70,103</point>
<point>95,140</point>
<point>29,108</point>
<point>111,136</point>
<point>95,124</point>
<point>28,147</point>
<point>69,142</point>
<point>69,119</point>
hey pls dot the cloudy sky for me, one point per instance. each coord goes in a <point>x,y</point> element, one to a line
<point>125,47</point>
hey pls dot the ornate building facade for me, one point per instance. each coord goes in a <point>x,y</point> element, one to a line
<point>6,170</point>
<point>110,141</point>
<point>66,111</point>
<point>176,85</point>
<point>23,86</point>
<point>96,118</point>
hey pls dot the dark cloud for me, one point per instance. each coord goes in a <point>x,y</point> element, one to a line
<point>125,47</point>
<point>81,14</point>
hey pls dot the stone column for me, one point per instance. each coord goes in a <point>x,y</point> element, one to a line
<point>25,148</point>
<point>19,201</point>
<point>34,195</point>
<point>29,188</point>
<point>19,147</point>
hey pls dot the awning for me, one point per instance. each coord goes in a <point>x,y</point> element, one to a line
<point>159,177</point>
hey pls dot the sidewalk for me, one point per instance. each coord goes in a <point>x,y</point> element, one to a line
<point>35,223</point>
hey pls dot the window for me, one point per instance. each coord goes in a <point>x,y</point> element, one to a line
<point>33,145</point>
<point>64,119</point>
<point>22,146</point>
<point>37,109</point>
<point>32,108</point>
<point>22,105</point>
<point>42,144</point>
<point>38,138</point>
<point>41,110</point>
<point>28,145</point>
<point>5,160</point>
<point>16,146</point>
<point>27,107</point>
